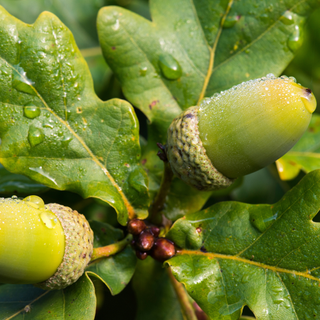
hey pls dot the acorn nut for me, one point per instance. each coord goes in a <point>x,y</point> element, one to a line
<point>45,245</point>
<point>238,131</point>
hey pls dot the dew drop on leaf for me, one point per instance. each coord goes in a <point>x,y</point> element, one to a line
<point>287,18</point>
<point>66,139</point>
<point>230,21</point>
<point>295,39</point>
<point>170,67</point>
<point>216,295</point>
<point>143,71</point>
<point>245,278</point>
<point>49,219</point>
<point>31,111</point>
<point>35,136</point>
<point>262,222</point>
<point>21,82</point>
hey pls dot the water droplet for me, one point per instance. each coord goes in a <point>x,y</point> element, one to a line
<point>287,18</point>
<point>216,296</point>
<point>170,67</point>
<point>295,39</point>
<point>230,21</point>
<point>49,219</point>
<point>143,71</point>
<point>262,221</point>
<point>116,26</point>
<point>247,51</point>
<point>66,139</point>
<point>31,111</point>
<point>35,202</point>
<point>21,82</point>
<point>35,136</point>
<point>245,278</point>
<point>47,125</point>
<point>45,174</point>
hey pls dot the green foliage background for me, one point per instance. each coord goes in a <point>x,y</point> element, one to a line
<point>235,243</point>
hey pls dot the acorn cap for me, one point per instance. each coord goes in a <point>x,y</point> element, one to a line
<point>238,131</point>
<point>78,248</point>
<point>187,156</point>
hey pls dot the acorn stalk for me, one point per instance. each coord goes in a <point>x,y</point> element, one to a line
<point>238,131</point>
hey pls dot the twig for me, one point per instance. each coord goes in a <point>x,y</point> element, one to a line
<point>160,198</point>
<point>104,252</point>
<point>183,298</point>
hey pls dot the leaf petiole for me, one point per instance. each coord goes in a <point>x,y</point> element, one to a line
<point>183,298</point>
<point>160,198</point>
<point>111,249</point>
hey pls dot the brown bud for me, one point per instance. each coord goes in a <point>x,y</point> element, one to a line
<point>141,255</point>
<point>155,231</point>
<point>163,249</point>
<point>136,226</point>
<point>145,241</point>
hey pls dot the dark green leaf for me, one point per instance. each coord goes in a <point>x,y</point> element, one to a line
<point>215,45</point>
<point>115,271</point>
<point>212,53</point>
<point>156,297</point>
<point>78,15</point>
<point>260,187</point>
<point>305,155</point>
<point>77,302</point>
<point>77,142</point>
<point>263,256</point>
<point>16,183</point>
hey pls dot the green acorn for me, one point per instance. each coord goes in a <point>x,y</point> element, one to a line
<point>238,131</point>
<point>46,245</point>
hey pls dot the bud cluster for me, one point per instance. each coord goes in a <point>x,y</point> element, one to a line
<point>146,241</point>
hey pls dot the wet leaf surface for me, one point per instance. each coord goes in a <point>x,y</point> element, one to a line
<point>55,130</point>
<point>263,256</point>
<point>28,302</point>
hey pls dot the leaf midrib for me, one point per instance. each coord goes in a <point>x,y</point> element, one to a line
<point>23,309</point>
<point>243,260</point>
<point>213,52</point>
<point>255,40</point>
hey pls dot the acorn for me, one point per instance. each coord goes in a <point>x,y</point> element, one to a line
<point>238,131</point>
<point>45,245</point>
